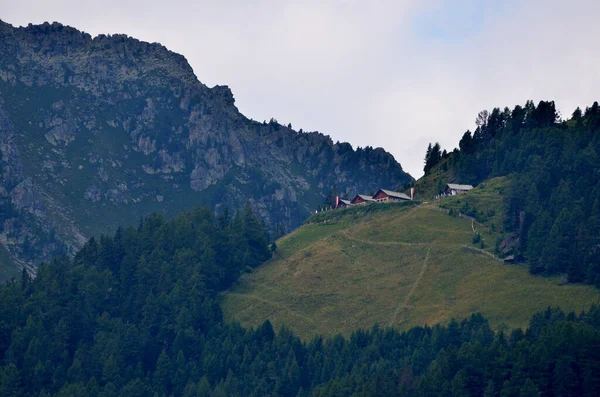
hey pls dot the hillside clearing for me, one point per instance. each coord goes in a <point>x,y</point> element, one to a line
<point>399,266</point>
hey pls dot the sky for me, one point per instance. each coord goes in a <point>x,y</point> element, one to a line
<point>393,74</point>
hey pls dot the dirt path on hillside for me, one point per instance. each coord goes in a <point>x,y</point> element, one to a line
<point>387,243</point>
<point>405,305</point>
<point>484,252</point>
<point>274,304</point>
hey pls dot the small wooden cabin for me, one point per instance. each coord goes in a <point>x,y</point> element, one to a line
<point>343,203</point>
<point>453,189</point>
<point>361,199</point>
<point>384,196</point>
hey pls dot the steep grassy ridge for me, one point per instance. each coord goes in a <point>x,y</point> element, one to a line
<point>396,265</point>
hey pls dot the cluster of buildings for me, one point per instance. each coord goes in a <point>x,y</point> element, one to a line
<point>387,196</point>
<point>382,196</point>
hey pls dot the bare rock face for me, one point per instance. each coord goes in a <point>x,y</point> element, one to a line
<point>98,132</point>
<point>25,196</point>
<point>60,131</point>
<point>93,193</point>
<point>12,168</point>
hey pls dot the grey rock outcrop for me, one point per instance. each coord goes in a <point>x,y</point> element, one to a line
<point>98,132</point>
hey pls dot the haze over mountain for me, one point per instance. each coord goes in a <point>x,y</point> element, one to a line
<point>98,132</point>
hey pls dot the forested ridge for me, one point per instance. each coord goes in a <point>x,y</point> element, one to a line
<point>553,204</point>
<point>137,314</point>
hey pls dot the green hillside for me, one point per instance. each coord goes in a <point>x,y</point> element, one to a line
<point>551,203</point>
<point>398,265</point>
<point>135,314</point>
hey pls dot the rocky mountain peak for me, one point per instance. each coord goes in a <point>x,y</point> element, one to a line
<point>106,130</point>
<point>223,93</point>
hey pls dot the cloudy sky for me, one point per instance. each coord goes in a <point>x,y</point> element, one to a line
<point>396,74</point>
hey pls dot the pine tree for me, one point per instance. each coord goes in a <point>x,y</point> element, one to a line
<point>109,390</point>
<point>92,388</point>
<point>10,382</point>
<point>110,371</point>
<point>557,253</point>
<point>490,390</point>
<point>432,157</point>
<point>203,387</point>
<point>529,389</point>
<point>161,380</point>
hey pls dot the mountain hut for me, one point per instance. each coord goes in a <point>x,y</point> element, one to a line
<point>454,189</point>
<point>384,196</point>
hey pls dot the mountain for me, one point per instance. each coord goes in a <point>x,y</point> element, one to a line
<point>99,132</point>
<point>397,265</point>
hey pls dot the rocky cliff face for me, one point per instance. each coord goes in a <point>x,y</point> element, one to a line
<point>98,132</point>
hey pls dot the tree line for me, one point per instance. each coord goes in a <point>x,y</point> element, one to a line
<point>553,203</point>
<point>137,314</point>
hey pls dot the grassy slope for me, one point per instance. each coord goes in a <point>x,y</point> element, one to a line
<point>434,182</point>
<point>395,265</point>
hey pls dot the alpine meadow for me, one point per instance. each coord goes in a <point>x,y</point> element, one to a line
<point>155,241</point>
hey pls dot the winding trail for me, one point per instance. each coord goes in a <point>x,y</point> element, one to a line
<point>484,252</point>
<point>386,243</point>
<point>404,307</point>
<point>413,289</point>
